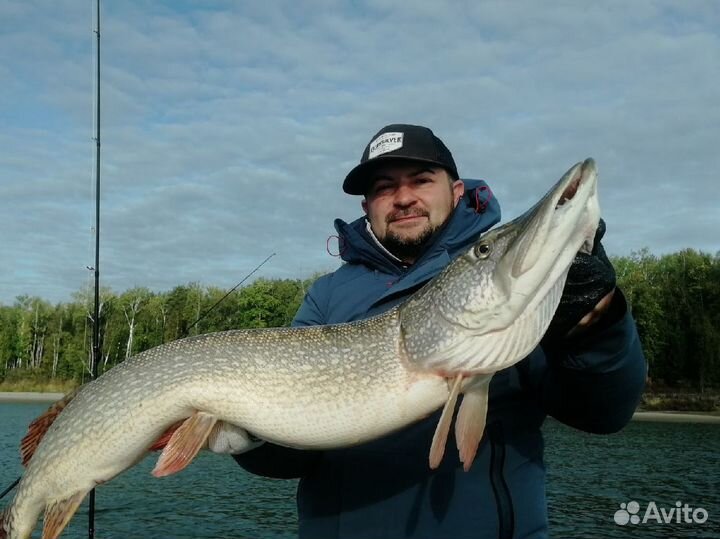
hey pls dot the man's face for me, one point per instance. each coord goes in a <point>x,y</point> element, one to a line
<point>407,202</point>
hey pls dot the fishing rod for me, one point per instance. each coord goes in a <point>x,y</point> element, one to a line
<point>12,486</point>
<point>218,302</point>
<point>96,269</point>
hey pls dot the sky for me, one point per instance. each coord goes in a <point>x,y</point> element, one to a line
<point>227,127</point>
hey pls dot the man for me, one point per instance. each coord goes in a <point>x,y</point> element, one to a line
<point>589,371</point>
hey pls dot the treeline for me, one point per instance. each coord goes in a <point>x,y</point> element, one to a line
<point>39,340</point>
<point>675,300</point>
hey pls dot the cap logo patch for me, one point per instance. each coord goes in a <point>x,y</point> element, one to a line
<point>385,143</point>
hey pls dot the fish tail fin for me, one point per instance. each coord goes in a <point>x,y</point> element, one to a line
<point>184,444</point>
<point>39,427</point>
<point>471,418</point>
<point>59,513</point>
<point>437,449</point>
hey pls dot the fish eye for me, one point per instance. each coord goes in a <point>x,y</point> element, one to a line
<point>483,250</point>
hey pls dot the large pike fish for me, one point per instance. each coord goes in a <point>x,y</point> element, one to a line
<point>324,386</point>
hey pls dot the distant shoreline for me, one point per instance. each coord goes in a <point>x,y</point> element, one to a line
<point>659,416</point>
<point>26,396</point>
<point>677,417</point>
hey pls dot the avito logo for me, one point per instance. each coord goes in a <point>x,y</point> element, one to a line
<point>629,513</point>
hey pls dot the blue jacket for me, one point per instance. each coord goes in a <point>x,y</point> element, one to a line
<point>385,489</point>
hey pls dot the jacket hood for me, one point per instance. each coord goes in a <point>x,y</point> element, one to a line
<point>477,211</point>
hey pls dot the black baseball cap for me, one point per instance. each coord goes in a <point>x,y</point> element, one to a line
<point>399,141</point>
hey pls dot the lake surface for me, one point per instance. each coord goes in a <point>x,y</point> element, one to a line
<point>588,478</point>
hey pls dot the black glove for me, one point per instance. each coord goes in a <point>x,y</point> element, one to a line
<point>590,278</point>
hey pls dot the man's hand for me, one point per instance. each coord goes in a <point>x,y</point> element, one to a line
<point>226,438</point>
<point>587,294</point>
<point>593,316</point>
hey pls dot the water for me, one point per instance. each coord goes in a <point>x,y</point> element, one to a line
<point>588,478</point>
<point>212,498</point>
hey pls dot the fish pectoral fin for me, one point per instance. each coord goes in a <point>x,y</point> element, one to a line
<point>184,444</point>
<point>471,418</point>
<point>59,513</point>
<point>437,449</point>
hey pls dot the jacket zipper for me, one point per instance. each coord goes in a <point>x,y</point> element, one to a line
<point>503,500</point>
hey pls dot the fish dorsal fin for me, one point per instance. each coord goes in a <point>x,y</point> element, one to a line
<point>59,513</point>
<point>184,444</point>
<point>471,418</point>
<point>39,427</point>
<point>437,449</point>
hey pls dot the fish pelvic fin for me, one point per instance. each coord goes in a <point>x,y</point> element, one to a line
<point>439,441</point>
<point>59,513</point>
<point>161,442</point>
<point>39,427</point>
<point>471,418</point>
<point>184,444</point>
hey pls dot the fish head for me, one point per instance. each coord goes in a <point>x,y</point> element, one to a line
<point>515,263</point>
<point>512,273</point>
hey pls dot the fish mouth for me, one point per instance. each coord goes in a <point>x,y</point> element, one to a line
<point>513,278</point>
<point>570,191</point>
<point>587,167</point>
<point>534,252</point>
<point>554,218</point>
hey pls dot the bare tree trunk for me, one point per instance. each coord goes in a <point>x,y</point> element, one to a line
<point>163,312</point>
<point>31,352</point>
<point>88,339</point>
<point>37,339</point>
<point>56,355</point>
<point>91,360</point>
<point>56,348</point>
<point>39,350</point>
<point>131,334</point>
<point>130,318</point>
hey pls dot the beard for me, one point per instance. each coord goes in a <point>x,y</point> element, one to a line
<point>409,248</point>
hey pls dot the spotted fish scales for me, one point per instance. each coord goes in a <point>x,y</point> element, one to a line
<point>321,387</point>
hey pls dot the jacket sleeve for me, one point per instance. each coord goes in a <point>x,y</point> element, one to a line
<point>270,460</point>
<point>594,381</point>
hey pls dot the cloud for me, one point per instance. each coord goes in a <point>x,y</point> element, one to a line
<point>228,127</point>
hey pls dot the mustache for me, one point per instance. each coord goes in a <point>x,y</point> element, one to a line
<point>401,214</point>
